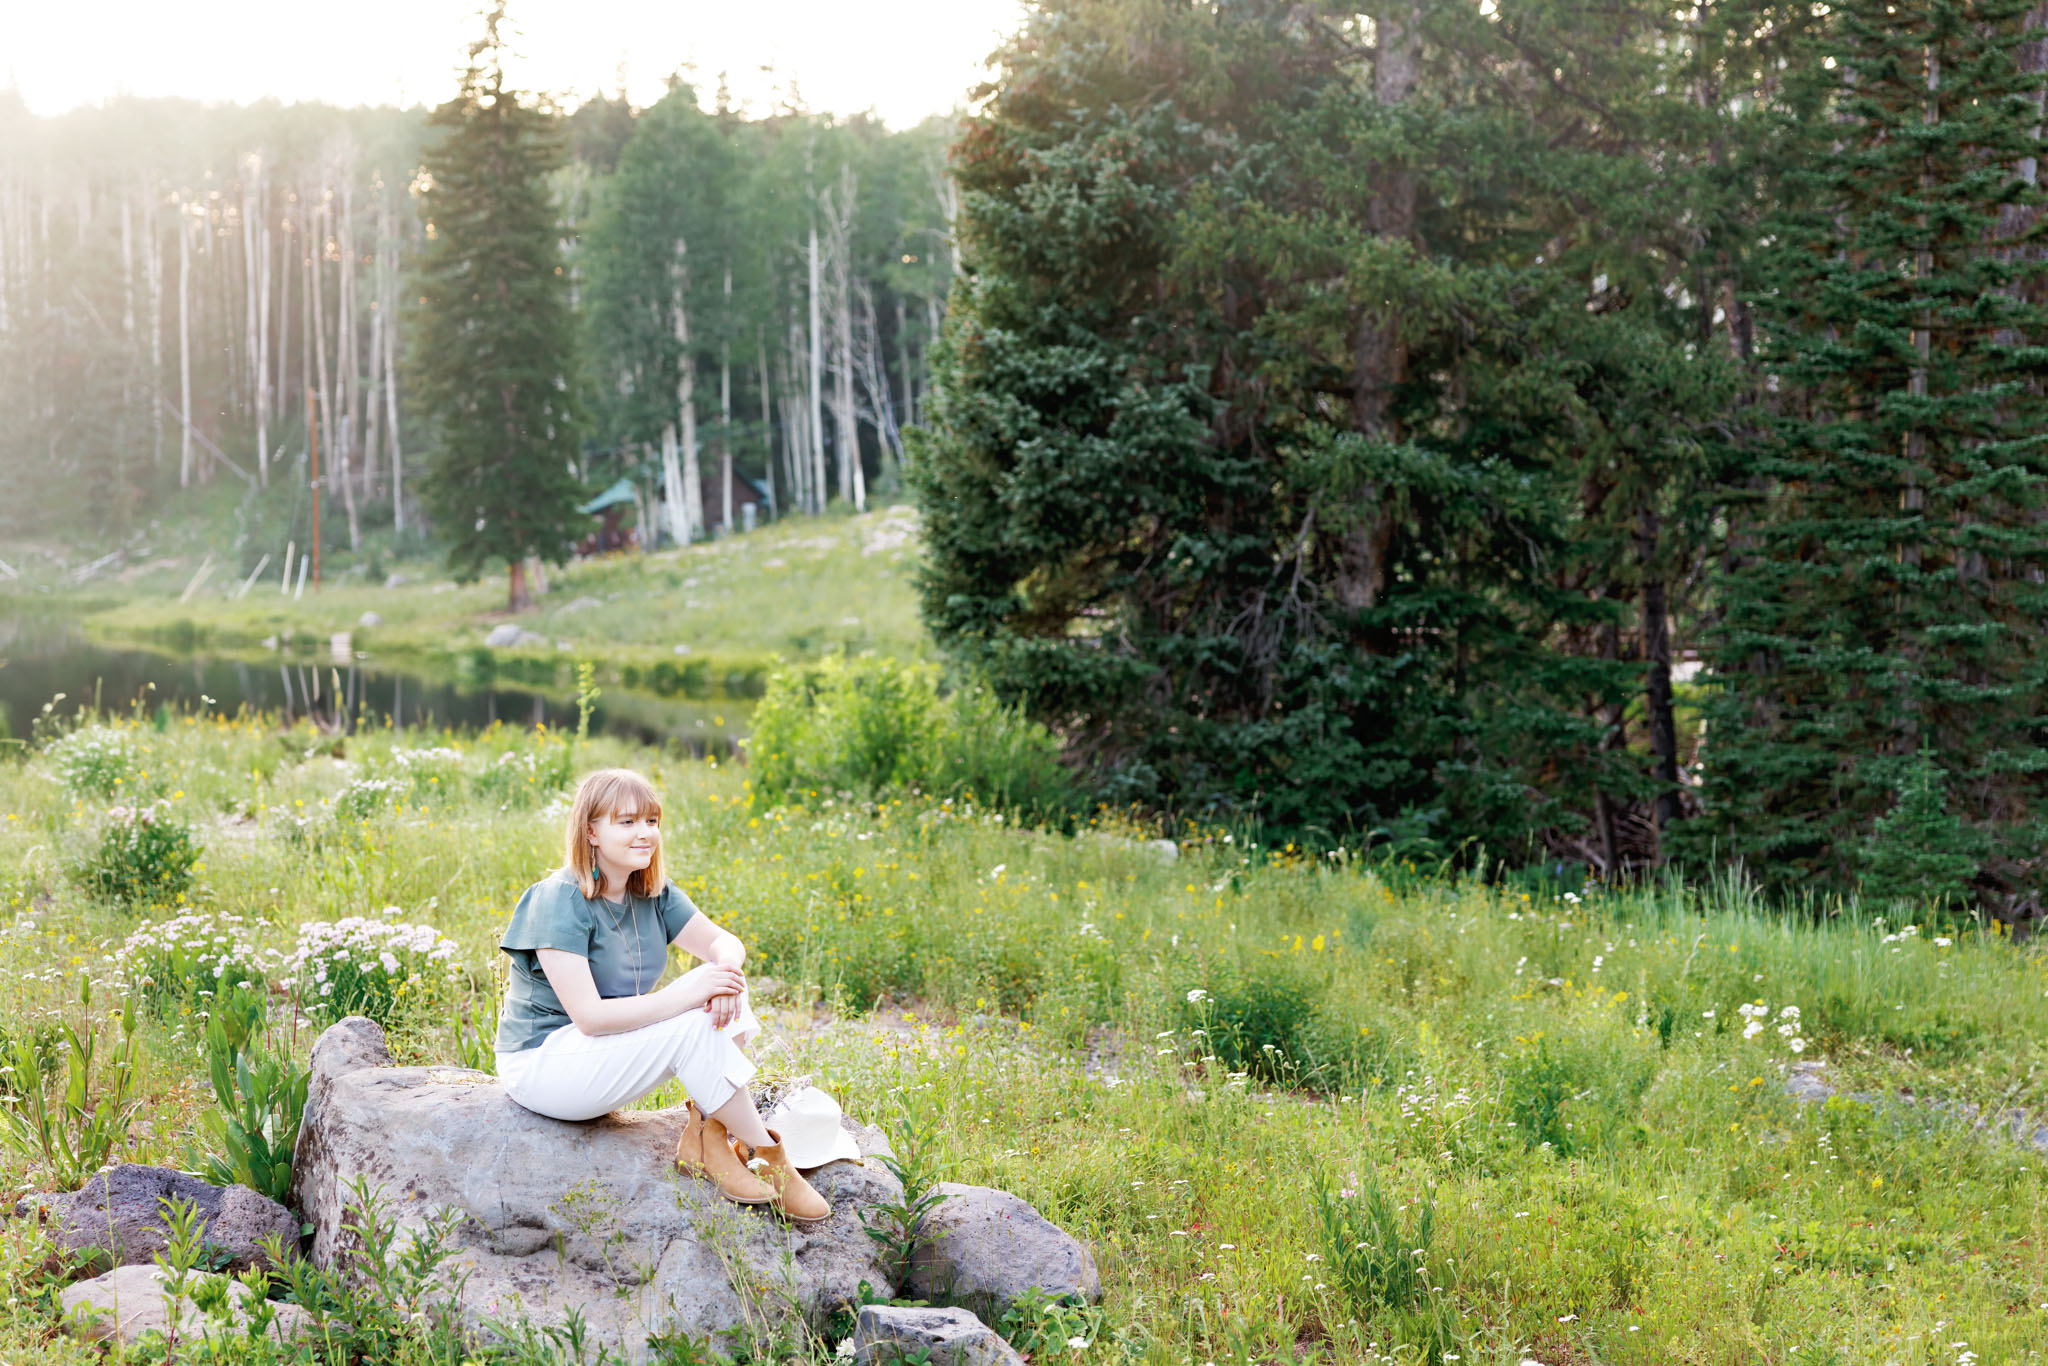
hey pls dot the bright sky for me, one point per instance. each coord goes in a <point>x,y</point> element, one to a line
<point>902,58</point>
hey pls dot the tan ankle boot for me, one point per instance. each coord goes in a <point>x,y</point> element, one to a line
<point>705,1150</point>
<point>792,1195</point>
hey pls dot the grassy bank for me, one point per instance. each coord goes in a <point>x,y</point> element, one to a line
<point>702,620</point>
<point>1169,1056</point>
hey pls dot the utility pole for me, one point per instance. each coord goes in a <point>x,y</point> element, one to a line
<point>313,436</point>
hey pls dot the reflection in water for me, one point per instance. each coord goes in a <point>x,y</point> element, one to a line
<point>41,658</point>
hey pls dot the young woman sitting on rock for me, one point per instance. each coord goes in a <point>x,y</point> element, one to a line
<point>583,1031</point>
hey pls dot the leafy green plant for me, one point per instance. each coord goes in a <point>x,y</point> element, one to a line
<point>261,1094</point>
<point>1260,1021</point>
<point>1377,1261</point>
<point>1045,1327</point>
<point>895,1226</point>
<point>81,1131</point>
<point>145,856</point>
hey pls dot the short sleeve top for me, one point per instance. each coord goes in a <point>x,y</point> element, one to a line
<point>627,945</point>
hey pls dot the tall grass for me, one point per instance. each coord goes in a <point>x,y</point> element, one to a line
<point>1614,1171</point>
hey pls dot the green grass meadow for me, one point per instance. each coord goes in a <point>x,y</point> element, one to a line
<point>1305,1109</point>
<point>697,620</point>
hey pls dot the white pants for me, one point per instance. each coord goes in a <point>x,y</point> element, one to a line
<point>573,1075</point>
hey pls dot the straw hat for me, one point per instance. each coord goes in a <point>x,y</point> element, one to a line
<point>808,1121</point>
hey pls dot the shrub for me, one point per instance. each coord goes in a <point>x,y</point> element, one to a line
<point>522,778</point>
<point>435,771</point>
<point>168,963</point>
<point>874,725</point>
<point>145,856</point>
<point>1573,1096</point>
<point>1261,1022</point>
<point>361,966</point>
<point>93,760</point>
<point>366,797</point>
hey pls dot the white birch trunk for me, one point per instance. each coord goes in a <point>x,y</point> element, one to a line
<point>391,283</point>
<point>725,406</point>
<point>767,419</point>
<point>686,391</point>
<point>316,289</point>
<point>184,348</point>
<point>816,419</point>
<point>672,488</point>
<point>154,258</point>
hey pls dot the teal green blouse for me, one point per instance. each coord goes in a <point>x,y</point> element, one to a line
<point>627,945</point>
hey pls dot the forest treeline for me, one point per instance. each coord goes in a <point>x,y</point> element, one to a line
<point>1590,435</point>
<point>180,286</point>
<point>1594,437</point>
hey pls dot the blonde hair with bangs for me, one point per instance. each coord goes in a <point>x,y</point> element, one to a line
<point>598,797</point>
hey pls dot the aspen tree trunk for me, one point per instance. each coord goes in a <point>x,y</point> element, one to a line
<point>356,447</point>
<point>263,389</point>
<point>725,406</point>
<point>154,257</point>
<point>672,488</point>
<point>286,274</point>
<point>817,412</point>
<point>323,397</point>
<point>374,422</point>
<point>686,393</point>
<point>839,252</point>
<point>903,364</point>
<point>391,285</point>
<point>767,419</point>
<point>129,363</point>
<point>309,377</point>
<point>184,349</point>
<point>252,377</point>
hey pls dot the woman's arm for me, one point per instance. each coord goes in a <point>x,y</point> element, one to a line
<point>702,939</point>
<point>569,974</point>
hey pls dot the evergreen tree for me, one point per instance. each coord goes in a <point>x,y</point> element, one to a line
<point>1262,452</point>
<point>495,358</point>
<point>1887,569</point>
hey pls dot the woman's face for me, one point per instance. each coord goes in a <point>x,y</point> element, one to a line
<point>625,840</point>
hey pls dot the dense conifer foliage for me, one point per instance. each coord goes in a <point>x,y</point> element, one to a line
<point>1355,422</point>
<point>1880,639</point>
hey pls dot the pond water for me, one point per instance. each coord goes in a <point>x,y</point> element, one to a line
<point>43,657</point>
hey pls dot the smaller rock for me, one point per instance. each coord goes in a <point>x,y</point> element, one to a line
<point>510,635</point>
<point>130,1301</point>
<point>582,604</point>
<point>1808,1082</point>
<point>394,580</point>
<point>368,620</point>
<point>682,649</point>
<point>120,1215</point>
<point>885,1334</point>
<point>983,1248</point>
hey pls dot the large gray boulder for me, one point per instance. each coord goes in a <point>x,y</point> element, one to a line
<point>119,1217</point>
<point>884,1335</point>
<point>130,1301</point>
<point>551,1216</point>
<point>983,1248</point>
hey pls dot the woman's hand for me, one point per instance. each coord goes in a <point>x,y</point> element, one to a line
<point>714,986</point>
